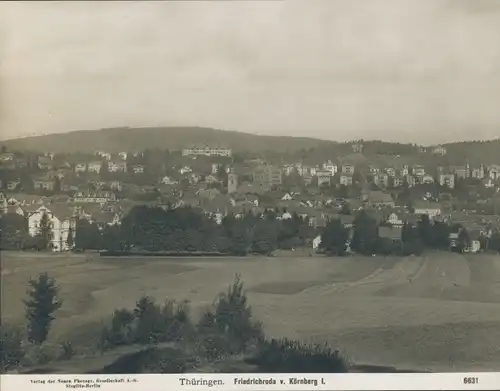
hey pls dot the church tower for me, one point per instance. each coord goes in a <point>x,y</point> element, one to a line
<point>232,183</point>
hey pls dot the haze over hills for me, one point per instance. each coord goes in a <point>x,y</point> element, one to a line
<point>175,138</point>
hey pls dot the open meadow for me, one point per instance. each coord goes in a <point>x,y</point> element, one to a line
<point>438,312</point>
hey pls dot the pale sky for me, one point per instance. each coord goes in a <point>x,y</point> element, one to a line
<point>424,71</point>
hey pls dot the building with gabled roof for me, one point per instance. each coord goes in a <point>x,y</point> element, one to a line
<point>62,222</point>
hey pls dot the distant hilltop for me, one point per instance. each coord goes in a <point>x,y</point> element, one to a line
<point>173,138</point>
<point>216,142</point>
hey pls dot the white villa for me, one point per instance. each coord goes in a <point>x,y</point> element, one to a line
<point>60,218</point>
<point>394,220</point>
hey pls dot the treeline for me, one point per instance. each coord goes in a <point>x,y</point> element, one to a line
<point>191,230</point>
<point>365,238</point>
<point>225,338</point>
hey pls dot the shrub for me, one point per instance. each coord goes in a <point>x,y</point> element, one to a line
<point>153,360</point>
<point>68,351</point>
<point>41,354</point>
<point>11,350</point>
<point>168,361</point>
<point>121,332</point>
<point>148,323</point>
<point>210,342</point>
<point>288,356</point>
<point>105,339</point>
<point>177,320</point>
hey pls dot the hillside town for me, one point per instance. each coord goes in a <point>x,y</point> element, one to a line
<point>103,187</point>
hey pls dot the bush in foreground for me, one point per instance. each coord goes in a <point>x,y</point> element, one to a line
<point>153,360</point>
<point>148,323</point>
<point>41,354</point>
<point>288,356</point>
<point>11,350</point>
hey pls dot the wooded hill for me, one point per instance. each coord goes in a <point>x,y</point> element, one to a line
<point>308,149</point>
<point>172,138</point>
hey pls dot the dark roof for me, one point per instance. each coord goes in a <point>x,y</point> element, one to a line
<point>12,208</point>
<point>379,197</point>
<point>103,217</point>
<point>28,198</point>
<point>30,208</point>
<point>61,210</point>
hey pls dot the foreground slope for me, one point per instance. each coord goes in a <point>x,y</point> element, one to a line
<point>438,312</point>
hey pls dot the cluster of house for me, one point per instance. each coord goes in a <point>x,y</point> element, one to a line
<point>62,214</point>
<point>313,207</point>
<point>392,220</point>
<point>255,186</point>
<point>52,173</point>
<point>392,177</point>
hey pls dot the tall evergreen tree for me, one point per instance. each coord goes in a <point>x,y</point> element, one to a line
<point>440,233</point>
<point>464,239</point>
<point>87,236</point>
<point>40,306</point>
<point>494,242</point>
<point>365,235</point>
<point>406,233</point>
<point>265,238</point>
<point>57,185</point>
<point>334,238</point>
<point>70,239</point>
<point>45,234</point>
<point>233,318</point>
<point>425,230</point>
<point>240,240</point>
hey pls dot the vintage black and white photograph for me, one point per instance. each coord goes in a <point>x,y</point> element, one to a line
<point>193,187</point>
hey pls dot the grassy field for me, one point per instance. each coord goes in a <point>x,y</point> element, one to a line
<point>438,312</point>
